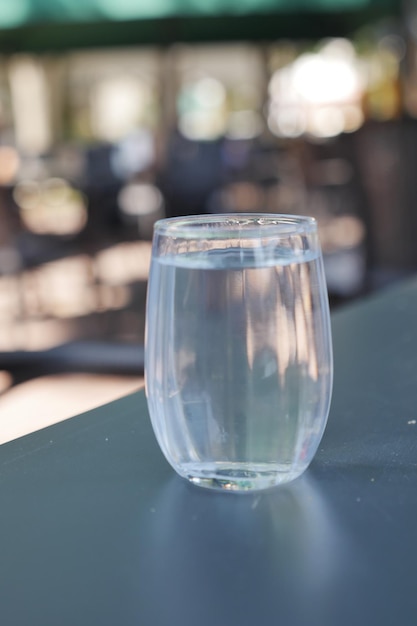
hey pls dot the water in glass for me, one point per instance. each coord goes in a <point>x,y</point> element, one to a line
<point>238,358</point>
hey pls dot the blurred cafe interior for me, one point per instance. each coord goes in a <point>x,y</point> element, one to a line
<point>113,115</point>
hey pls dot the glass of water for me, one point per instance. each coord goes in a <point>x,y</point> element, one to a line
<point>238,356</point>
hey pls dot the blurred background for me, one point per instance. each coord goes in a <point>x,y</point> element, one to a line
<point>115,114</point>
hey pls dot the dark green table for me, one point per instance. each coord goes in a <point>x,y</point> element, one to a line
<point>97,530</point>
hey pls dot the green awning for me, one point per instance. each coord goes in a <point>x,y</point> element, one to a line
<point>59,24</point>
<point>20,12</point>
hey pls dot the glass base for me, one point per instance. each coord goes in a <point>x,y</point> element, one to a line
<point>240,477</point>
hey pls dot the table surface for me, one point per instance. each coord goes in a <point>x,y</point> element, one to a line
<point>96,529</point>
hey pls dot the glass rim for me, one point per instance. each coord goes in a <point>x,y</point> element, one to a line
<point>235,225</point>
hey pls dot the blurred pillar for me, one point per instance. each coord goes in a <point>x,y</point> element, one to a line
<point>56,73</point>
<point>30,104</point>
<point>168,89</point>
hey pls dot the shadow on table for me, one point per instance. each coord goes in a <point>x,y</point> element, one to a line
<point>197,542</point>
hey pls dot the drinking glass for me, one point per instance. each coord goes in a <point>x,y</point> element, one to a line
<point>238,354</point>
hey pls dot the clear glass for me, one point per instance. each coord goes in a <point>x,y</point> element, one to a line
<point>238,355</point>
